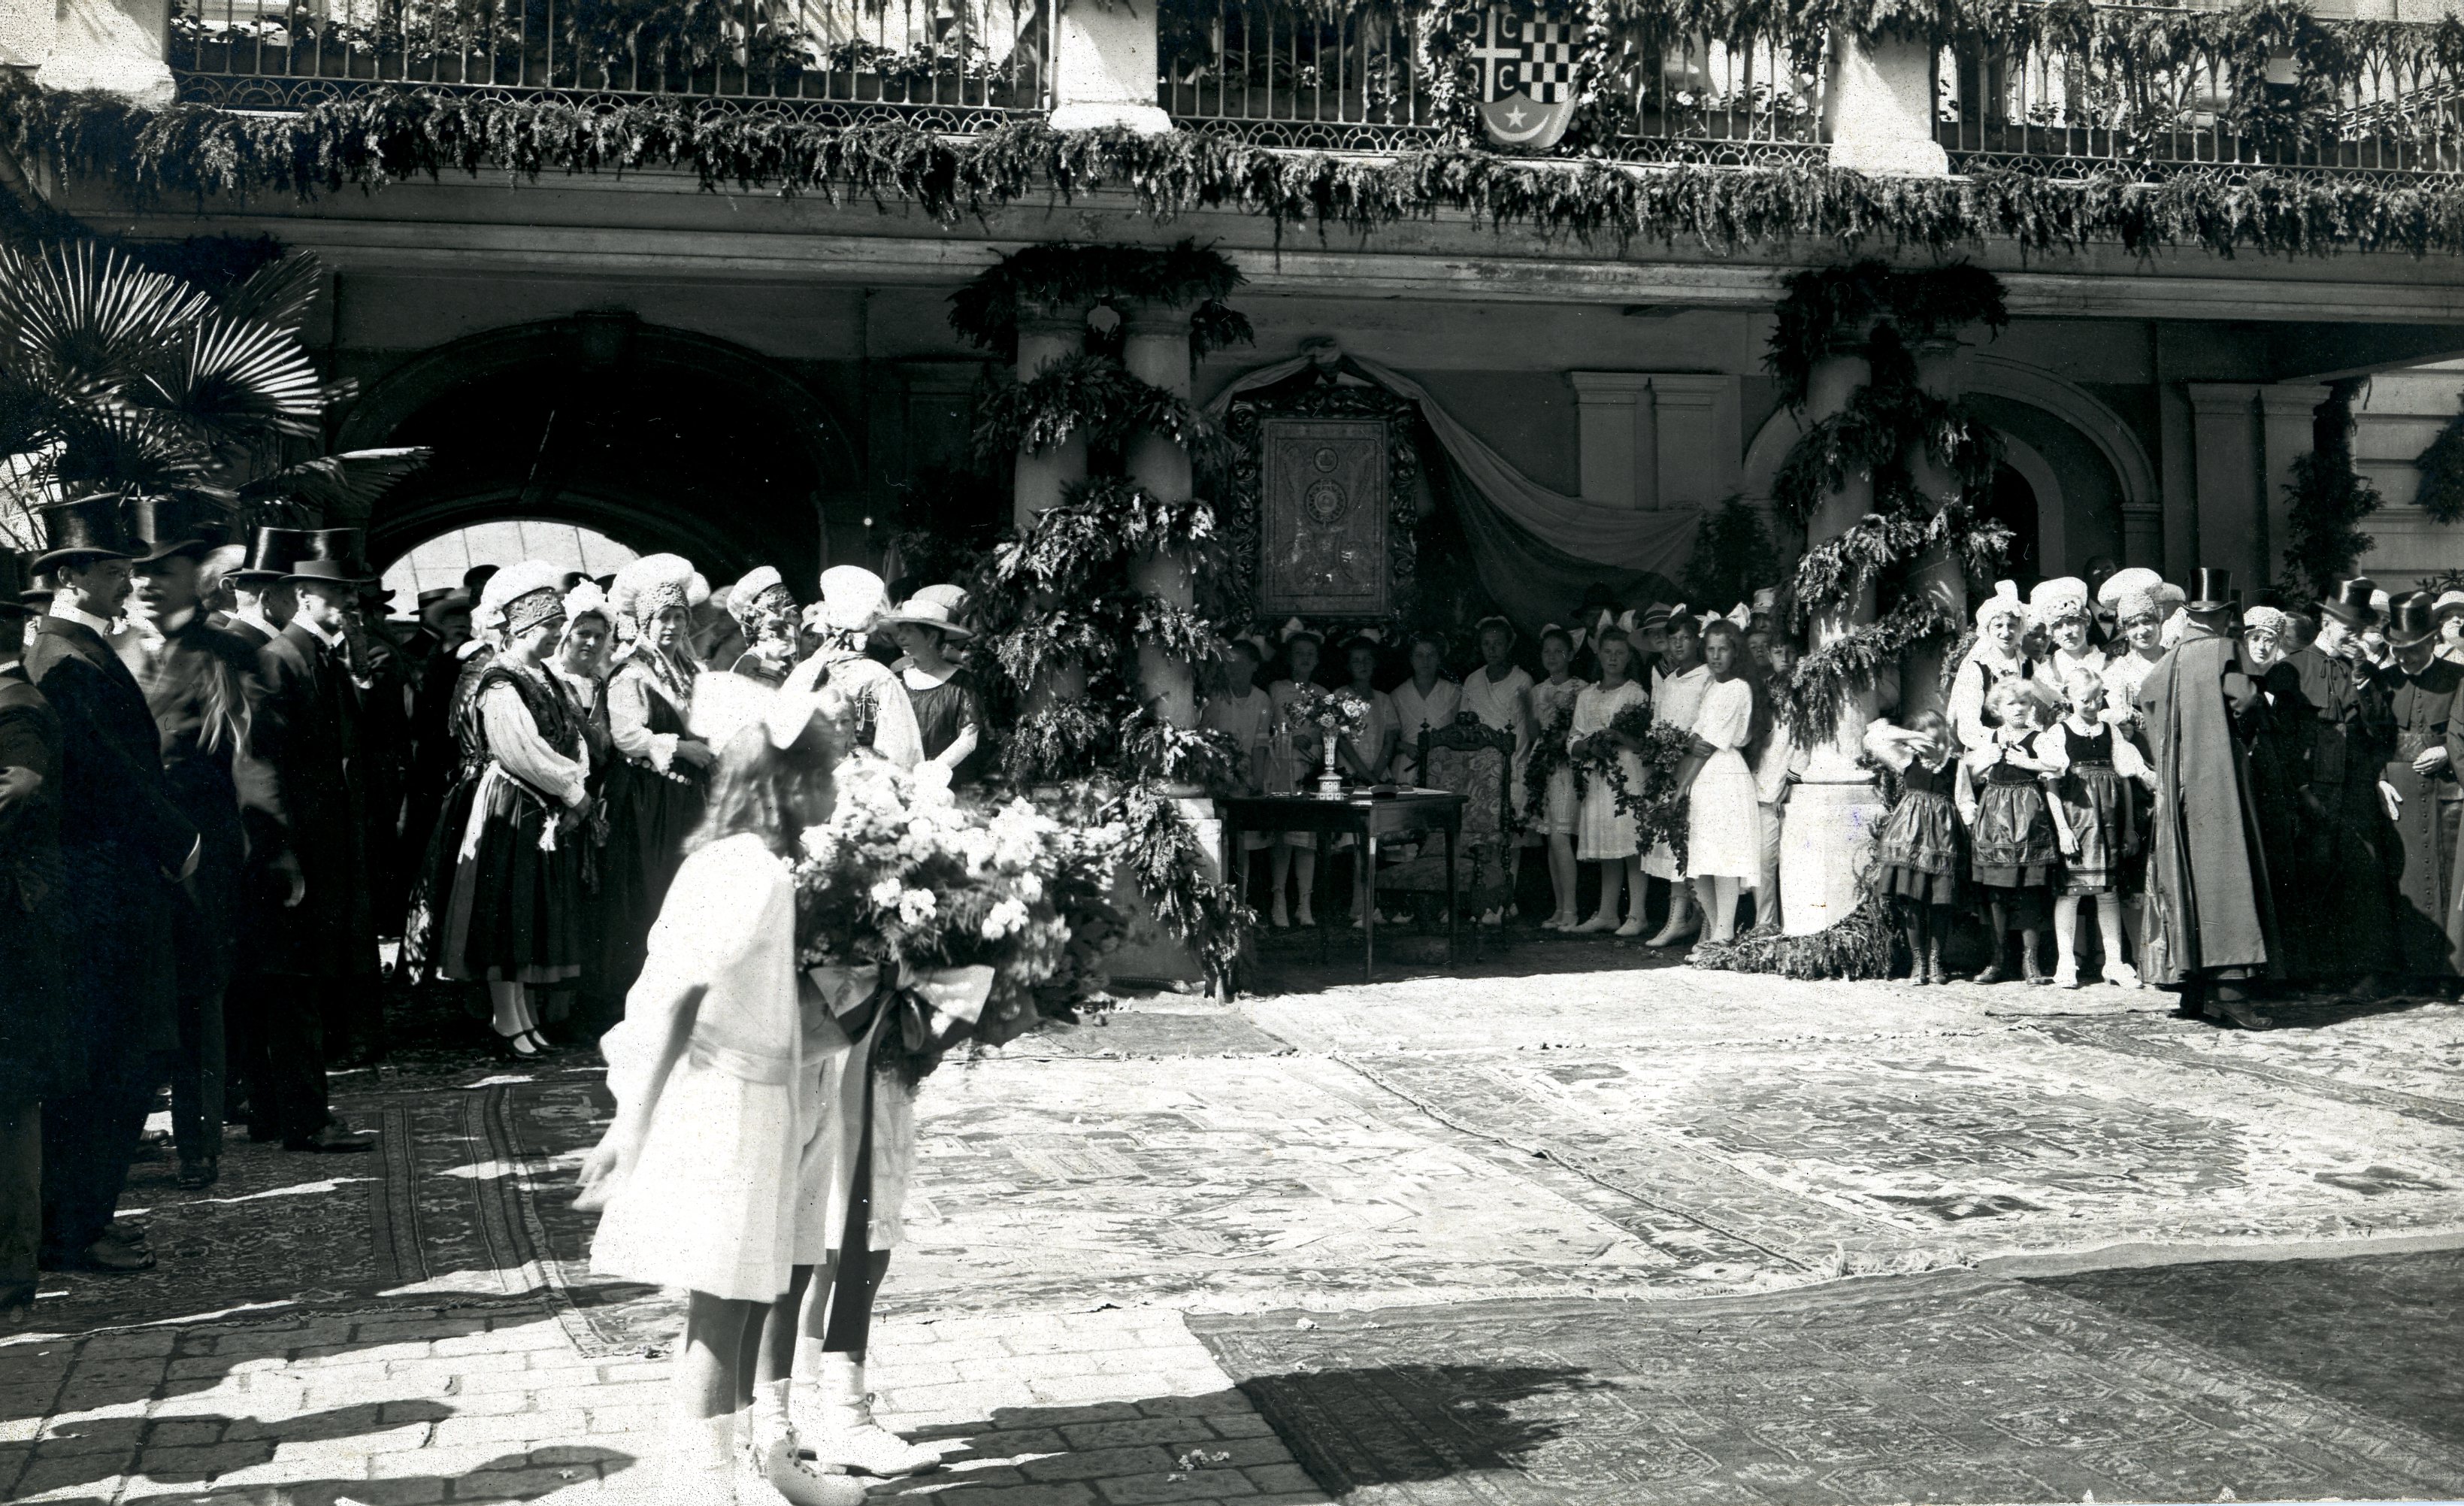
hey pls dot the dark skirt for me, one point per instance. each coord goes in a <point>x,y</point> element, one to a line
<point>423,926</point>
<point>2096,806</point>
<point>517,909</point>
<point>1917,855</point>
<point>2013,840</point>
<point>649,814</point>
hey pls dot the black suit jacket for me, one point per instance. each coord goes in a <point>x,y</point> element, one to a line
<point>304,733</point>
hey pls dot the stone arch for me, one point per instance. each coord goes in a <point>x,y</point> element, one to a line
<point>662,438</point>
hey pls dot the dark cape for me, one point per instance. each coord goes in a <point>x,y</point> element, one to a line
<point>38,1054</point>
<point>2212,912</point>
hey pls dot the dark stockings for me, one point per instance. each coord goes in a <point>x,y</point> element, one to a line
<point>2006,911</point>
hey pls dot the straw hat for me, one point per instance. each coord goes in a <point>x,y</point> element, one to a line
<point>932,606</point>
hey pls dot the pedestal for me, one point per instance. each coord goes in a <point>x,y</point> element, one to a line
<point>1825,845</point>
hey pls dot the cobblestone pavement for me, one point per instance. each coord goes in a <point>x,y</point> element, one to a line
<point>1350,1199</point>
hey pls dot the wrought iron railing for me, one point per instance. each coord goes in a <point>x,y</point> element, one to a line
<point>1361,79</point>
<point>963,64</point>
<point>2159,88</point>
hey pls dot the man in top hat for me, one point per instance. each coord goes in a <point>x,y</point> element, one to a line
<point>307,952</point>
<point>2418,784</point>
<point>264,598</point>
<point>2344,933</point>
<point>124,846</point>
<point>201,684</point>
<point>2213,933</point>
<point>34,1026</point>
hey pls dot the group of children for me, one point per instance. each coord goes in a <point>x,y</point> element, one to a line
<point>2024,791</point>
<point>1705,675</point>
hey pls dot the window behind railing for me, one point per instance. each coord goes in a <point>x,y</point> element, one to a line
<point>1376,80</point>
<point>965,56</point>
<point>2162,87</point>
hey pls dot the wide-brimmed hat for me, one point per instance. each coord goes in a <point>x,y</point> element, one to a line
<point>2448,606</point>
<point>87,528</point>
<point>2210,590</point>
<point>2350,602</point>
<point>331,554</point>
<point>271,553</point>
<point>2411,619</point>
<point>439,601</point>
<point>934,607</point>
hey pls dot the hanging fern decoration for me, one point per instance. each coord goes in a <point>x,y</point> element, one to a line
<point>2442,473</point>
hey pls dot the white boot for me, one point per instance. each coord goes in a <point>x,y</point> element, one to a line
<point>769,1452</point>
<point>836,1427</point>
<point>698,1466</point>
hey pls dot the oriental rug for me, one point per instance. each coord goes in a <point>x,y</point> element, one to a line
<point>1943,1387</point>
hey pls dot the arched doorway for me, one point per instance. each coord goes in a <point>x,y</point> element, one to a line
<point>657,438</point>
<point>2014,505</point>
<point>440,562</point>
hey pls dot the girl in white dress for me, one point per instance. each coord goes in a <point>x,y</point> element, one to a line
<point>1427,699</point>
<point>1247,715</point>
<point>1560,815</point>
<point>1677,688</point>
<point>1607,836</point>
<point>1295,762</point>
<point>1723,820</point>
<point>716,1108</point>
<point>1498,694</point>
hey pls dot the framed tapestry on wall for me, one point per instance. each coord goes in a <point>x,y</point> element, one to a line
<point>1319,507</point>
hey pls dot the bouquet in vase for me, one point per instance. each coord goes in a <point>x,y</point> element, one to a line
<point>1327,715</point>
<point>940,912</point>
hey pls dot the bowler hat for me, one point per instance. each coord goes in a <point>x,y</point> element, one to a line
<point>271,553</point>
<point>2350,602</point>
<point>2210,590</point>
<point>330,554</point>
<point>2410,619</point>
<point>16,586</point>
<point>88,527</point>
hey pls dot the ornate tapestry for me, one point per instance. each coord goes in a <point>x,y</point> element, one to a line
<point>1323,518</point>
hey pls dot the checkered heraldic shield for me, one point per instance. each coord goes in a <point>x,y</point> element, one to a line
<point>1536,60</point>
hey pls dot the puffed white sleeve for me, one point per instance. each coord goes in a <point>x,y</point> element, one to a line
<point>2053,750</point>
<point>1886,749</point>
<point>1965,708</point>
<point>2128,762</point>
<point>514,739</point>
<point>1727,715</point>
<point>629,723</point>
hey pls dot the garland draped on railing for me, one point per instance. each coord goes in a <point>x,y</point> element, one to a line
<point>374,137</point>
<point>1063,621</point>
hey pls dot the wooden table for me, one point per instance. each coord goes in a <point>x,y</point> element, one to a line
<point>1361,814</point>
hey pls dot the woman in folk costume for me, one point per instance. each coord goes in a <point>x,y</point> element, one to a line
<point>582,663</point>
<point>2139,605</point>
<point>2001,623</point>
<point>1560,813</point>
<point>516,917</point>
<point>2088,762</point>
<point>1916,854</point>
<point>1724,821</point>
<point>1498,695</point>
<point>719,1107</point>
<point>423,937</point>
<point>655,796</point>
<point>2060,608</point>
<point>2013,840</point>
<point>1607,835</point>
<point>948,704</point>
<point>1294,760</point>
<point>1427,699</point>
<point>766,612</point>
<point>1244,716</point>
<point>1676,694</point>
<point>878,713</point>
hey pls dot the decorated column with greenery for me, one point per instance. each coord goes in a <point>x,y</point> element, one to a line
<point>1049,332</point>
<point>1939,576</point>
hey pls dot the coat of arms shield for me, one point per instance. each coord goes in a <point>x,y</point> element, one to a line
<point>1526,79</point>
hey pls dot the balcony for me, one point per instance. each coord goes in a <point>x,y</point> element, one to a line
<point>953,65</point>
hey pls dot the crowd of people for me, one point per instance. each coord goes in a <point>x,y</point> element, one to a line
<point>229,779</point>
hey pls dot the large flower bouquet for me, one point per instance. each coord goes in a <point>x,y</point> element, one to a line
<point>1551,749</point>
<point>947,915</point>
<point>1327,715</point>
<point>1657,803</point>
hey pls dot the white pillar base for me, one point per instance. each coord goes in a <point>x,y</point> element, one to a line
<point>1825,846</point>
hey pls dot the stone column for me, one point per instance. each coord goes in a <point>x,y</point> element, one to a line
<point>1829,837</point>
<point>1878,106</point>
<point>1047,333</point>
<point>1938,575</point>
<point>2287,415</point>
<point>1104,68</point>
<point>1156,348</point>
<point>116,46</point>
<point>2233,507</point>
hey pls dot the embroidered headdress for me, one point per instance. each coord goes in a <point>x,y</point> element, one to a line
<point>653,584</point>
<point>519,597</point>
<point>2005,602</point>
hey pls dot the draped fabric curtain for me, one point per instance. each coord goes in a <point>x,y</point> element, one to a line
<point>1536,550</point>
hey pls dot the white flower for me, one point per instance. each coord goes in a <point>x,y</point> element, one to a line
<point>1002,919</point>
<point>888,892</point>
<point>1030,888</point>
<point>915,906</point>
<point>933,785</point>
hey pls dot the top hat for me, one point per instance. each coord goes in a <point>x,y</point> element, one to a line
<point>177,525</point>
<point>2411,620</point>
<point>2210,590</point>
<point>2350,602</point>
<point>16,586</point>
<point>271,553</point>
<point>330,554</point>
<point>88,527</point>
<point>932,606</point>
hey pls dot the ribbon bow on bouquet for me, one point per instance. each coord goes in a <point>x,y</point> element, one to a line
<point>932,1008</point>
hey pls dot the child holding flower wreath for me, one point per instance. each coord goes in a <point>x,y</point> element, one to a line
<point>1606,834</point>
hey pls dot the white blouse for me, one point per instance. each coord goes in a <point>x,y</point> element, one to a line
<point>1676,698</point>
<point>514,740</point>
<point>1725,717</point>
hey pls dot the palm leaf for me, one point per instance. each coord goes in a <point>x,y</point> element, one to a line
<point>236,380</point>
<point>341,487</point>
<point>278,293</point>
<point>135,450</point>
<point>82,327</point>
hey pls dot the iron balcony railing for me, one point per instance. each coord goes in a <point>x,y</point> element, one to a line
<point>2145,87</point>
<point>963,64</point>
<point>1281,75</point>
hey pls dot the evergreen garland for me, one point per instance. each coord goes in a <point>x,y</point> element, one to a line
<point>1732,559</point>
<point>376,135</point>
<point>1856,945</point>
<point>2329,499</point>
<point>2442,473</point>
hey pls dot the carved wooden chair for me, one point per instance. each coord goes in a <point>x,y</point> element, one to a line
<point>1477,762</point>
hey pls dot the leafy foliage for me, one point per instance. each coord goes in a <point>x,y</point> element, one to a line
<point>2442,474</point>
<point>1857,946</point>
<point>1066,276</point>
<point>2329,499</point>
<point>1733,557</point>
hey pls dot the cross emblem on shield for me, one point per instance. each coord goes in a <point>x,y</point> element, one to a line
<point>1527,79</point>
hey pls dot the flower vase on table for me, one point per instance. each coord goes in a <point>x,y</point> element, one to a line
<point>1329,781</point>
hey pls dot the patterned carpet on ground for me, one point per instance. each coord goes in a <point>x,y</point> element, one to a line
<point>1943,1387</point>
